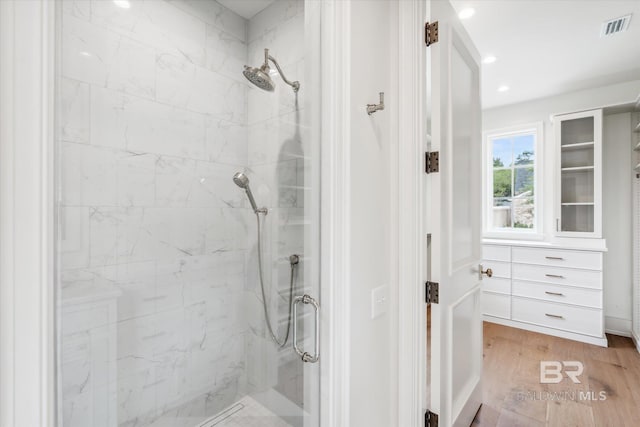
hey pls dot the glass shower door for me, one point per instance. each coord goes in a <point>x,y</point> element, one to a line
<point>174,294</point>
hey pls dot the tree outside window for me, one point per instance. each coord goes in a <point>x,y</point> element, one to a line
<point>513,181</point>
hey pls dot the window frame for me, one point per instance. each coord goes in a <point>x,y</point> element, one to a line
<point>535,233</point>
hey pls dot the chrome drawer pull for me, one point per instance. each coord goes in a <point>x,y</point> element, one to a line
<point>555,275</point>
<point>555,316</point>
<point>554,293</point>
<point>555,257</point>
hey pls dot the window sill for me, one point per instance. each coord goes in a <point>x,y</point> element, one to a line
<point>513,235</point>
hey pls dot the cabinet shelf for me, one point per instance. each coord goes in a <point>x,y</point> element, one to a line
<point>577,169</point>
<point>579,175</point>
<point>578,146</point>
<point>637,129</point>
<point>637,147</point>
<point>578,204</point>
<point>637,168</point>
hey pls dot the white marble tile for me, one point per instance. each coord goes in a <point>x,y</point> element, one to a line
<point>225,54</point>
<point>227,229</point>
<point>181,182</point>
<point>76,8</point>
<point>143,126</point>
<point>136,179</point>
<point>175,179</point>
<point>137,282</point>
<point>185,85</point>
<point>75,244</point>
<point>216,187</point>
<point>226,142</point>
<point>276,15</point>
<point>285,44</point>
<point>175,232</point>
<point>121,235</point>
<point>276,184</point>
<point>88,175</point>
<point>109,118</point>
<point>102,58</point>
<point>277,139</point>
<point>136,397</point>
<point>155,23</point>
<point>74,111</point>
<point>215,14</point>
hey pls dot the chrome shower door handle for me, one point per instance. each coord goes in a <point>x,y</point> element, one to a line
<point>306,357</point>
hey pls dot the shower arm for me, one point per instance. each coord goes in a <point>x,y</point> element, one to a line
<point>295,85</point>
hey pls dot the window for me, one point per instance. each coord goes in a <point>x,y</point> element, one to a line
<point>512,198</point>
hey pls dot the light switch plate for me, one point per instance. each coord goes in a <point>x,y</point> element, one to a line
<point>379,301</point>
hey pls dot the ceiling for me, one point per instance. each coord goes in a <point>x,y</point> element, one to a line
<point>545,47</point>
<point>246,8</point>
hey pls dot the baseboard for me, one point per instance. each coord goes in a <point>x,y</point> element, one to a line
<point>617,326</point>
<point>602,342</point>
<point>636,340</point>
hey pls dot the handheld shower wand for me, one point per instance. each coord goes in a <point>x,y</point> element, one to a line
<point>242,181</point>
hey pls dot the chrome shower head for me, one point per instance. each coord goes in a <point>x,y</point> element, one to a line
<point>261,78</point>
<point>242,181</point>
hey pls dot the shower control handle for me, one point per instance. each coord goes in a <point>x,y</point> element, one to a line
<point>306,356</point>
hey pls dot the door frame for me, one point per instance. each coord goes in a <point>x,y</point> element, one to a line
<point>412,199</point>
<point>27,323</point>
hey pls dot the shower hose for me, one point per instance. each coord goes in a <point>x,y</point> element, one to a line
<point>293,260</point>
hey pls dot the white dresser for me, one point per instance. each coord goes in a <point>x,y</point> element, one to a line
<point>546,289</point>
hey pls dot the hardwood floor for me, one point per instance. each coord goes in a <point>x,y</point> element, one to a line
<point>513,395</point>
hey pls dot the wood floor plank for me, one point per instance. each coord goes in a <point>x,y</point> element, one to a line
<point>511,367</point>
<point>568,413</point>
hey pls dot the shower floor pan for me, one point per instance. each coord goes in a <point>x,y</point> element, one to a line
<point>247,412</point>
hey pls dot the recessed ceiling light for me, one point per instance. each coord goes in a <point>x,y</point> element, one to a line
<point>489,59</point>
<point>85,54</point>
<point>503,88</point>
<point>122,3</point>
<point>466,13</point>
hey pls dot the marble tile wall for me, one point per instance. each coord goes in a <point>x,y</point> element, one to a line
<point>153,125</point>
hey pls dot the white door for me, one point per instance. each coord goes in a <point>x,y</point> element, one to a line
<point>455,220</point>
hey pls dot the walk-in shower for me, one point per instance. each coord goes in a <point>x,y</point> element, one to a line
<point>261,78</point>
<point>173,308</point>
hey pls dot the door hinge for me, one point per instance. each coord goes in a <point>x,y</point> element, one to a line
<point>432,161</point>
<point>431,33</point>
<point>430,419</point>
<point>432,294</point>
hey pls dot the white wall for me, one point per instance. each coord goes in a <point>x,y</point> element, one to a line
<point>373,38</point>
<point>616,287</point>
<point>617,165</point>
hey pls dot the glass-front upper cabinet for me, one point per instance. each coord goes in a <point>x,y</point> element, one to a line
<point>578,139</point>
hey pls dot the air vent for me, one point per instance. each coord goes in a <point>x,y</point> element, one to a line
<point>615,26</point>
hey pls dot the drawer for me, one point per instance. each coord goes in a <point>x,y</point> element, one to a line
<point>497,284</point>
<point>559,276</point>
<point>561,294</point>
<point>559,258</point>
<point>496,253</point>
<point>499,268</point>
<point>581,320</point>
<point>496,305</point>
